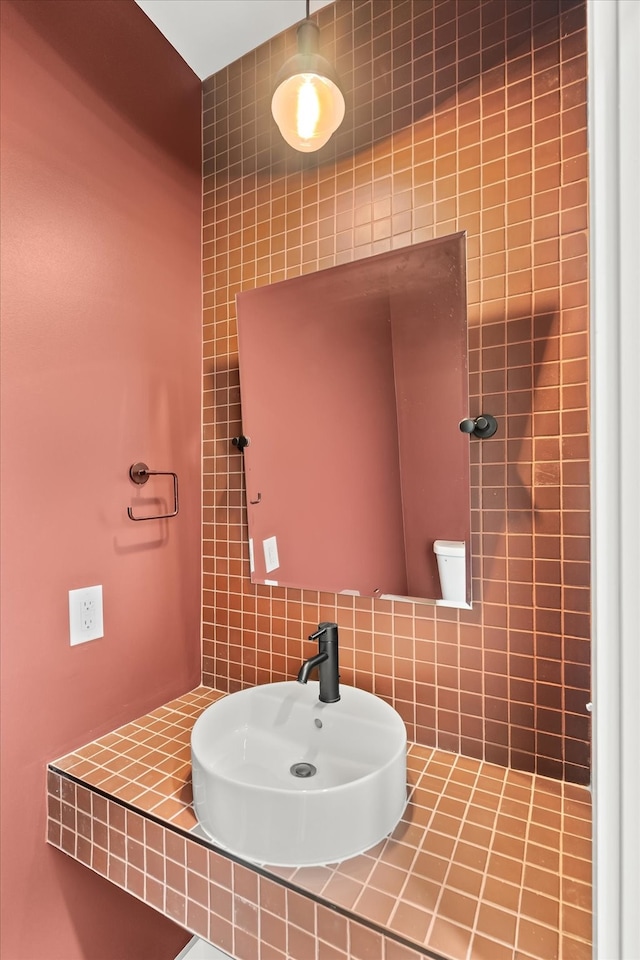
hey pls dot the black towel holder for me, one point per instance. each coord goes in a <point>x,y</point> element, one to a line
<point>140,473</point>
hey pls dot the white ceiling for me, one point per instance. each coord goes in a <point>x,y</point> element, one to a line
<point>209,34</point>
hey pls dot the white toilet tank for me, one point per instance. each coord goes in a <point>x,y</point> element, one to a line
<point>452,569</point>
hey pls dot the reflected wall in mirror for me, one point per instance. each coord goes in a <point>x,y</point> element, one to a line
<point>353,382</point>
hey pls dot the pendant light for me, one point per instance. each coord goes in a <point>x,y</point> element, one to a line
<point>307,103</point>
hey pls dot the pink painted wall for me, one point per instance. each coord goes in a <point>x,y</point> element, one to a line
<point>100,368</point>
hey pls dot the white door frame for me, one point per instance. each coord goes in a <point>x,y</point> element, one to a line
<point>614,150</point>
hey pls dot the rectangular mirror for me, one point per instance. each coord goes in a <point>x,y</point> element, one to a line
<point>353,383</point>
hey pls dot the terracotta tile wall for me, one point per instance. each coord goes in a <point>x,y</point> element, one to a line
<point>460,116</point>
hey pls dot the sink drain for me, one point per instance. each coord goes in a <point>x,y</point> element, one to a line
<point>303,769</point>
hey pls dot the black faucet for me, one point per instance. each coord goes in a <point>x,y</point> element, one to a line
<point>327,662</point>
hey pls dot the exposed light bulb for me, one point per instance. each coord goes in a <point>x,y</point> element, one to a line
<point>308,112</point>
<point>307,104</point>
<point>308,109</point>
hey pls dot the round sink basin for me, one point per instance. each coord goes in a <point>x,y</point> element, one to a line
<point>281,778</point>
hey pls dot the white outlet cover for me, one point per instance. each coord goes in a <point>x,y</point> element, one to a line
<point>271,559</point>
<point>82,628</point>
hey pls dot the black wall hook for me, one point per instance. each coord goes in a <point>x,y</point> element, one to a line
<point>483,426</point>
<point>240,442</point>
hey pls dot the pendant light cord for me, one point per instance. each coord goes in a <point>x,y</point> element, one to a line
<point>308,5</point>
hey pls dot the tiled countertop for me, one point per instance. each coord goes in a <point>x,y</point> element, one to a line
<point>487,863</point>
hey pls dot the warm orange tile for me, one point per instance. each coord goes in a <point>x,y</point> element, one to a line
<point>496,923</point>
<point>374,905</point>
<point>457,907</point>
<point>411,922</point>
<point>449,938</point>
<point>484,948</point>
<point>537,940</point>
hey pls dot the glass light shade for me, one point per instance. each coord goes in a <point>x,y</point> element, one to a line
<point>308,109</point>
<point>307,102</point>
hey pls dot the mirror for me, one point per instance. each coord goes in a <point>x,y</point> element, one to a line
<point>353,382</point>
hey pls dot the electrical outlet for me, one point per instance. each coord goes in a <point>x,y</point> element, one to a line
<point>85,615</point>
<point>271,559</point>
<point>88,612</point>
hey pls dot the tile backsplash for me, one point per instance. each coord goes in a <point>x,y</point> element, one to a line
<point>460,116</point>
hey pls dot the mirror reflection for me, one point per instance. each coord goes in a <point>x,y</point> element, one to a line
<point>353,383</point>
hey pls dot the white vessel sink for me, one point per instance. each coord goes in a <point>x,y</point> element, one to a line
<point>280,778</point>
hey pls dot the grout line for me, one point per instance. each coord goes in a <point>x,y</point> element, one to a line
<point>522,887</point>
<point>494,833</point>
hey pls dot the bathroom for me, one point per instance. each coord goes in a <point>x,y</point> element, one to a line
<point>102,349</point>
